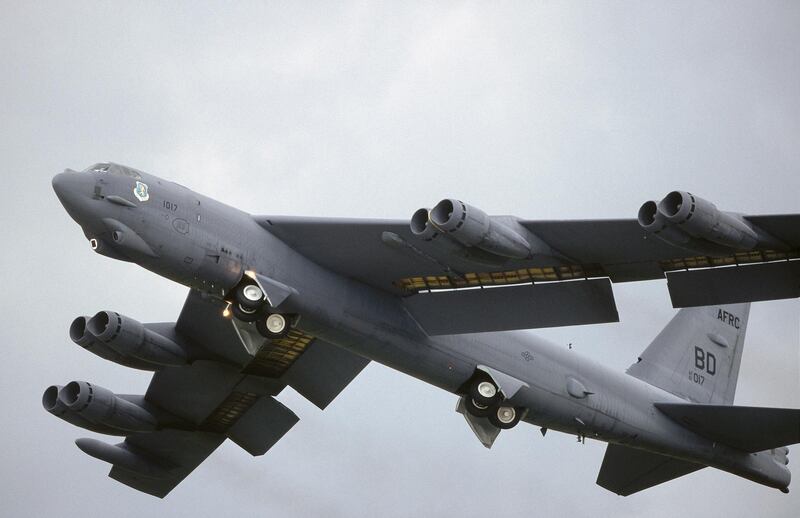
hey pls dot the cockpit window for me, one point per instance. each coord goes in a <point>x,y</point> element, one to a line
<point>115,169</point>
<point>128,171</point>
<point>98,168</point>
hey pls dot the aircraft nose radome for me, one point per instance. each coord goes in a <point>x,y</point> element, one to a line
<point>74,191</point>
<point>70,186</point>
<point>59,182</point>
<point>65,182</point>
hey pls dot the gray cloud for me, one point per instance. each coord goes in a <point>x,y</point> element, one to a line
<point>543,110</point>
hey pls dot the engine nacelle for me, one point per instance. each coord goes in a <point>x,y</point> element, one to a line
<point>474,228</point>
<point>654,222</point>
<point>54,405</point>
<point>693,223</point>
<point>701,218</point>
<point>81,336</point>
<point>98,406</point>
<point>130,338</point>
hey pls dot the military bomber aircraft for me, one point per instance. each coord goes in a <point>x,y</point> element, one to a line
<point>308,302</point>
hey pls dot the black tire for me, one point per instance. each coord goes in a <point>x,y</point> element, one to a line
<point>245,316</point>
<point>473,409</point>
<point>247,304</point>
<point>261,325</point>
<point>501,420</point>
<point>477,391</point>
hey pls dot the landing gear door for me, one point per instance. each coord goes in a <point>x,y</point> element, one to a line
<point>485,431</point>
<point>508,385</point>
<point>275,291</point>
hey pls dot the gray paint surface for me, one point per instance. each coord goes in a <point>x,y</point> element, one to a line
<point>716,112</point>
<point>695,359</point>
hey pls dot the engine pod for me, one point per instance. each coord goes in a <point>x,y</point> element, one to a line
<point>131,338</point>
<point>472,227</point>
<point>102,407</point>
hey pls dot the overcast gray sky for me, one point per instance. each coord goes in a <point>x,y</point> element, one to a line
<point>538,109</point>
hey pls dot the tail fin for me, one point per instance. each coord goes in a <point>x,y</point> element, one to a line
<point>697,356</point>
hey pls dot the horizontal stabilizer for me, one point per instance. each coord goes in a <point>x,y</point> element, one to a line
<point>626,471</point>
<point>710,286</point>
<point>527,306</point>
<point>749,429</point>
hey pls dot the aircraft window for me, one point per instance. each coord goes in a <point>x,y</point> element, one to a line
<point>115,169</point>
<point>127,171</point>
<point>98,168</point>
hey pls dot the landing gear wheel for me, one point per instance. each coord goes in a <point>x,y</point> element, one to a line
<point>246,315</point>
<point>273,326</point>
<point>484,392</point>
<point>476,409</point>
<point>249,297</point>
<point>505,417</point>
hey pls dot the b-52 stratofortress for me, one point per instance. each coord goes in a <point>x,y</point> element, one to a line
<point>308,302</point>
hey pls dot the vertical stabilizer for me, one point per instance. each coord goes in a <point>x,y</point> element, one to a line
<point>697,356</point>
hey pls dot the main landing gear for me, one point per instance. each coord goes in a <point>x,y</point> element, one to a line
<point>250,305</point>
<point>484,399</point>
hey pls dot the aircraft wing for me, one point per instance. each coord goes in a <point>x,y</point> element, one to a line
<point>230,395</point>
<point>387,255</point>
<point>183,451</point>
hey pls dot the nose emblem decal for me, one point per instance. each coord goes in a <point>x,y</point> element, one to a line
<point>141,192</point>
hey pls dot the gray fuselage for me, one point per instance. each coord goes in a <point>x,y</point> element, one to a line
<point>206,245</point>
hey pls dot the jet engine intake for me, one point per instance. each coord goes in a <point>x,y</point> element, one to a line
<point>472,227</point>
<point>131,338</point>
<point>421,225</point>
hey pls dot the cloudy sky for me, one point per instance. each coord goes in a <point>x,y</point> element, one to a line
<point>540,109</point>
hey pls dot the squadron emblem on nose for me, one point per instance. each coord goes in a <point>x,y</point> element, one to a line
<point>141,192</point>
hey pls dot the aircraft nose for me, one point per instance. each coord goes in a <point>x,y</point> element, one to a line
<point>74,191</point>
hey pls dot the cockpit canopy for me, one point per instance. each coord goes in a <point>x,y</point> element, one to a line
<point>112,168</point>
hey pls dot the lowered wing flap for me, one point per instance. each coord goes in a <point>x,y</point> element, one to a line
<point>263,425</point>
<point>731,285</point>
<point>514,307</point>
<point>750,429</point>
<point>323,371</point>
